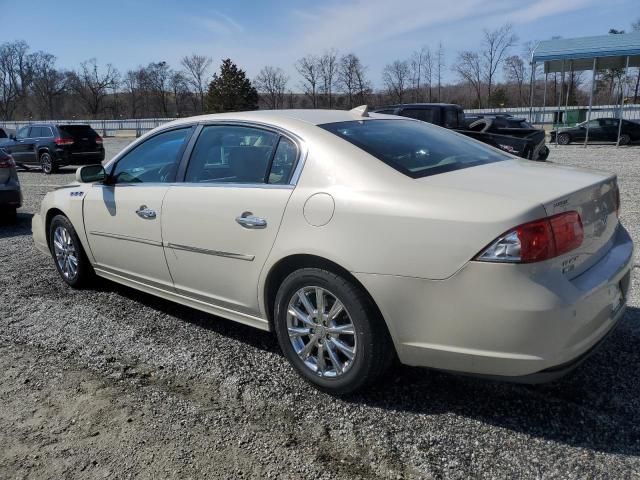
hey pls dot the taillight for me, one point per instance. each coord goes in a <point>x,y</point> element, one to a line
<point>7,162</point>
<point>538,240</point>
<point>99,140</point>
<point>64,141</point>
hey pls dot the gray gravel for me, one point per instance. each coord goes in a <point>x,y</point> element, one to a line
<point>113,382</point>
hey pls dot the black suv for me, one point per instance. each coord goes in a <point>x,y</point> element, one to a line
<point>52,146</point>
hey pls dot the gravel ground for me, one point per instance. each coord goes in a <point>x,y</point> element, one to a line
<point>113,382</point>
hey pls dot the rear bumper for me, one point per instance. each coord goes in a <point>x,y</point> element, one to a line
<point>505,320</point>
<point>79,158</point>
<point>10,197</point>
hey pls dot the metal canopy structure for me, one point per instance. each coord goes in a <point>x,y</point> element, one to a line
<point>587,53</point>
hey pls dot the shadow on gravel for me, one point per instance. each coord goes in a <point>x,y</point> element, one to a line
<point>595,407</point>
<point>16,228</point>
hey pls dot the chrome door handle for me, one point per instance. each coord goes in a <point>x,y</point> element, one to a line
<point>248,220</point>
<point>146,212</point>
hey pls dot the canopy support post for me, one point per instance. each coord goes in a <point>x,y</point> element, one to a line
<point>544,98</point>
<point>622,85</point>
<point>559,103</point>
<point>531,88</point>
<point>566,104</point>
<point>593,87</point>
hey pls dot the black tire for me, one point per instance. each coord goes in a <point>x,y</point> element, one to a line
<point>564,139</point>
<point>84,273</point>
<point>374,351</point>
<point>9,215</point>
<point>624,139</point>
<point>47,163</point>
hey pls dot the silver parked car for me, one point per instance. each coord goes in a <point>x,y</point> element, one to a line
<point>10,192</point>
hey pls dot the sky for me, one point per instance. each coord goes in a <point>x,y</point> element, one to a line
<point>258,33</point>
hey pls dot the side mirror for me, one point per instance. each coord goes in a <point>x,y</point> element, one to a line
<point>90,174</point>
<point>12,137</point>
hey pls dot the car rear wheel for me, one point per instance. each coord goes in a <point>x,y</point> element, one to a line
<point>624,139</point>
<point>47,164</point>
<point>564,139</point>
<point>330,331</point>
<point>68,255</point>
<point>9,214</point>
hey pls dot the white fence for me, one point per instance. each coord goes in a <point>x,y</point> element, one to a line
<point>540,115</point>
<point>547,115</point>
<point>106,128</point>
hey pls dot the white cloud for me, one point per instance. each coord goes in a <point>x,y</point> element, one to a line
<point>218,23</point>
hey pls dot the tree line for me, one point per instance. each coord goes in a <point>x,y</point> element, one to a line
<point>33,86</point>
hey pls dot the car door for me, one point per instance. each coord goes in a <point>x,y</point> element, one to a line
<point>22,147</point>
<point>221,222</point>
<point>123,215</point>
<point>595,131</point>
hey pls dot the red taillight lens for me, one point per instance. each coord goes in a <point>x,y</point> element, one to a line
<point>538,240</point>
<point>64,141</point>
<point>567,232</point>
<point>99,140</point>
<point>7,162</point>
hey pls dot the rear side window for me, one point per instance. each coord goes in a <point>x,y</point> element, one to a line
<point>424,114</point>
<point>77,131</point>
<point>232,154</point>
<point>416,149</point>
<point>35,132</point>
<point>284,161</point>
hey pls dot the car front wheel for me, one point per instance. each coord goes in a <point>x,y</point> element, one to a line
<point>624,139</point>
<point>564,139</point>
<point>330,331</point>
<point>68,255</point>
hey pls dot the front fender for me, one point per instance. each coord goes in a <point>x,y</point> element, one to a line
<point>68,201</point>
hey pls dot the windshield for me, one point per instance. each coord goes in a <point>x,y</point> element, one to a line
<point>415,148</point>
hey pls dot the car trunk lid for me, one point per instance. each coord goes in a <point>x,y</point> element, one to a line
<point>558,189</point>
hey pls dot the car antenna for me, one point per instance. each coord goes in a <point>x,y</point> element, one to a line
<point>361,111</point>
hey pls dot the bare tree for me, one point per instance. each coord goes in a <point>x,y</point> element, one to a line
<point>48,83</point>
<point>469,68</point>
<point>418,64</point>
<point>396,76</point>
<point>271,83</point>
<point>439,67</point>
<point>328,63</point>
<point>352,80</point>
<point>180,90</point>
<point>496,44</point>
<point>197,68</point>
<point>92,84</point>
<point>515,71</point>
<point>309,70</point>
<point>157,77</point>
<point>133,87</point>
<point>15,76</point>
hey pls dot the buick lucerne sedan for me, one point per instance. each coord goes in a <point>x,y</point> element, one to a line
<point>358,238</point>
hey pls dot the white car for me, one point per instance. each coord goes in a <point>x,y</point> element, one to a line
<point>358,239</point>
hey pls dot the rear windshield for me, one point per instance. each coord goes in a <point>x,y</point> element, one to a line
<point>416,149</point>
<point>78,131</point>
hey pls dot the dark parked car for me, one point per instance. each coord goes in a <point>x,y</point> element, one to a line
<point>523,141</point>
<point>600,130</point>
<point>10,193</point>
<point>52,146</point>
<point>498,120</point>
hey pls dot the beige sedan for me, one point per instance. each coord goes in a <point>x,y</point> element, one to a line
<point>358,239</point>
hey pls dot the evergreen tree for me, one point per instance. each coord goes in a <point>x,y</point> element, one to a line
<point>231,90</point>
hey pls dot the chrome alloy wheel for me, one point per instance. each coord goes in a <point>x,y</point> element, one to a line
<point>321,331</point>
<point>65,252</point>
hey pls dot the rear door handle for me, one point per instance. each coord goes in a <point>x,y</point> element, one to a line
<point>146,212</point>
<point>249,220</point>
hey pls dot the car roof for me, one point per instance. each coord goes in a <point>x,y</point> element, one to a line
<point>281,117</point>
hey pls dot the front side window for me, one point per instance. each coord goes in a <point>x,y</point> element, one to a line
<point>424,114</point>
<point>23,132</point>
<point>416,149</point>
<point>232,154</point>
<point>153,161</point>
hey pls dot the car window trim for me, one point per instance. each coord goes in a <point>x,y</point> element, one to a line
<point>295,171</point>
<point>123,155</point>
